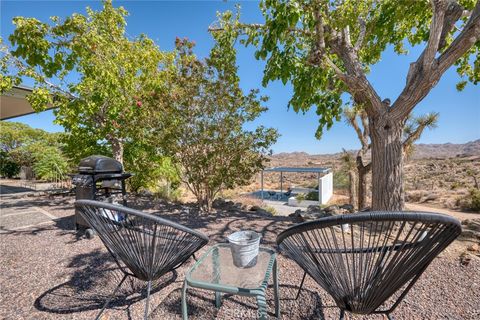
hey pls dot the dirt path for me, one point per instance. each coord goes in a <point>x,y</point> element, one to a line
<point>461,215</point>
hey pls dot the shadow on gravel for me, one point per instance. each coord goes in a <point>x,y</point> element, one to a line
<point>64,223</point>
<point>222,223</point>
<point>93,281</point>
<point>6,189</point>
<point>201,305</point>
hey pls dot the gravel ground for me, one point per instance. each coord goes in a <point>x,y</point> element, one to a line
<point>49,273</point>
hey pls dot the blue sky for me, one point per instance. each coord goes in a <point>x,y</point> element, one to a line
<point>163,21</point>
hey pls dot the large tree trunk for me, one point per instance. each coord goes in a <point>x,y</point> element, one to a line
<point>362,170</point>
<point>362,187</point>
<point>353,188</point>
<point>387,164</point>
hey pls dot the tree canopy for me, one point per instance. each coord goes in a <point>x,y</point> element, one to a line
<point>89,68</point>
<point>326,48</point>
<point>199,122</point>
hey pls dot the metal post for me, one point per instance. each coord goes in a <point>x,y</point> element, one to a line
<point>281,182</point>
<point>319,189</point>
<point>262,183</point>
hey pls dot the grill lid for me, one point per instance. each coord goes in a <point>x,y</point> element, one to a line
<point>99,164</point>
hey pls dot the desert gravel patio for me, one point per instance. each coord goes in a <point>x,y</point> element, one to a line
<point>46,272</point>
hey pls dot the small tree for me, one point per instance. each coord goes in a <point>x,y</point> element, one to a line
<point>357,118</point>
<point>350,166</point>
<point>88,69</point>
<point>8,167</point>
<point>203,115</point>
<point>51,165</point>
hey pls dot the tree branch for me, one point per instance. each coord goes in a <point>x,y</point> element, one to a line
<point>428,56</point>
<point>453,12</point>
<point>462,43</point>
<point>361,36</point>
<point>420,81</point>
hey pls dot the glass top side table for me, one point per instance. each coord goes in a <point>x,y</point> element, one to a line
<point>215,271</point>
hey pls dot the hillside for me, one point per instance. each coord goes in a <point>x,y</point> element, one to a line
<point>437,174</point>
<point>421,151</point>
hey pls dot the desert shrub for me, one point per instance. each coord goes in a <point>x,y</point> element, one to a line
<point>341,180</point>
<point>8,168</point>
<point>456,185</point>
<point>270,210</point>
<point>312,196</point>
<point>167,192</point>
<point>205,129</point>
<point>300,197</point>
<point>51,165</point>
<point>470,201</point>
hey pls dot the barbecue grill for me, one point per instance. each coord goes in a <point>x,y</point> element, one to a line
<point>99,178</point>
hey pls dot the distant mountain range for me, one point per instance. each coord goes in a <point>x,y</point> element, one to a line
<point>421,151</point>
<point>447,150</point>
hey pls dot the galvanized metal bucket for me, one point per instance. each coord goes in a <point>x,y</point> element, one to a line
<point>244,246</point>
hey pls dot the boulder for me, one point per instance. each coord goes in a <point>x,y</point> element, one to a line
<point>313,208</point>
<point>335,210</point>
<point>332,209</point>
<point>348,207</point>
<point>218,203</point>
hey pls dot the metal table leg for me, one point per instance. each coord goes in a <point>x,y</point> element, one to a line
<point>275,290</point>
<point>216,277</point>
<point>184,301</point>
<point>262,306</point>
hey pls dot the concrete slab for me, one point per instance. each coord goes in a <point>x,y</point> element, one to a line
<point>16,221</point>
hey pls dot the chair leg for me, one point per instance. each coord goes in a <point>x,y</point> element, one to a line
<point>301,285</point>
<point>149,287</point>
<point>111,296</point>
<point>262,306</point>
<point>342,314</point>
<point>184,301</point>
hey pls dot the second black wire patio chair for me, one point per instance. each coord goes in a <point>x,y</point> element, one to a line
<point>143,245</point>
<point>364,259</point>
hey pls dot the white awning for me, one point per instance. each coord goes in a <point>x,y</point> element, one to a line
<point>14,103</point>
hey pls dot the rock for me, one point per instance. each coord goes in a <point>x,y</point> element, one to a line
<point>255,208</point>
<point>474,247</point>
<point>465,259</point>
<point>305,216</point>
<point>218,203</point>
<point>335,210</point>
<point>429,197</point>
<point>247,207</point>
<point>331,208</point>
<point>146,193</point>
<point>295,214</point>
<point>348,207</point>
<point>238,205</point>
<point>313,208</point>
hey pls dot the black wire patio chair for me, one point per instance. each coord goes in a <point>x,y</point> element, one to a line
<point>364,259</point>
<point>143,246</point>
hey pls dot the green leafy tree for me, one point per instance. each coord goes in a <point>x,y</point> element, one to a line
<point>203,115</point>
<point>152,169</point>
<point>325,49</point>
<point>8,167</point>
<point>51,165</point>
<point>22,145</point>
<point>89,69</point>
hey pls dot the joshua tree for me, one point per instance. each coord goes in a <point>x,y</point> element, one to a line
<point>325,49</point>
<point>351,168</point>
<point>358,119</point>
